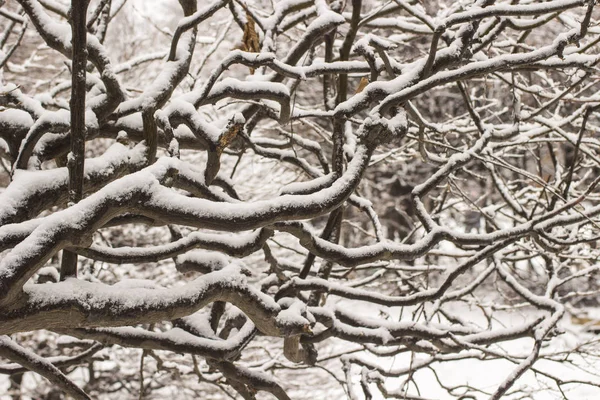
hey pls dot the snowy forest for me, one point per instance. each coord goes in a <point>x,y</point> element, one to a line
<point>299,199</point>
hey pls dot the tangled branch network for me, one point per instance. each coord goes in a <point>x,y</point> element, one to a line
<point>313,199</point>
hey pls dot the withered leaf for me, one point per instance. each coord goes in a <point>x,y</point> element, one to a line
<point>250,42</point>
<point>364,81</point>
<point>213,163</point>
<point>228,136</point>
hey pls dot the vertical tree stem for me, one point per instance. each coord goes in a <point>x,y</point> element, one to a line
<point>76,157</point>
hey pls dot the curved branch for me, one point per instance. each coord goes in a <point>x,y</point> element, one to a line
<point>33,362</point>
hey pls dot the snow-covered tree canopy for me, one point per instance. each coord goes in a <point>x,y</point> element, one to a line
<point>314,199</point>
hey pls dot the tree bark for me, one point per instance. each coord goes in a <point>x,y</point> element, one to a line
<point>76,158</point>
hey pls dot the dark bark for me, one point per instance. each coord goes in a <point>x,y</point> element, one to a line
<point>76,158</point>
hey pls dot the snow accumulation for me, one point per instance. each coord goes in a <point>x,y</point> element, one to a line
<point>403,193</point>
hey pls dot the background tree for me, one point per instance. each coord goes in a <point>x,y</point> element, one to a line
<point>303,198</point>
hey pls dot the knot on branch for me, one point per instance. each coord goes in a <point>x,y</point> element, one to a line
<point>380,130</point>
<point>294,319</point>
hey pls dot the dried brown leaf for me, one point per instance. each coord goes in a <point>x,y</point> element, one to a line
<point>364,81</point>
<point>227,137</point>
<point>250,41</point>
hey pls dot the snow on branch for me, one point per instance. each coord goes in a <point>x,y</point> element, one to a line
<point>361,194</point>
